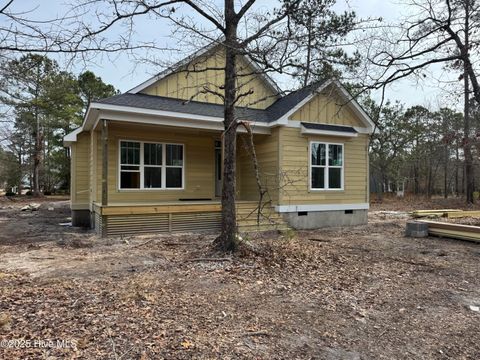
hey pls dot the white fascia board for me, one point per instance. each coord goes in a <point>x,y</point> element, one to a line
<point>356,107</point>
<point>71,137</point>
<point>146,84</point>
<point>369,124</point>
<point>362,130</point>
<point>321,207</point>
<point>272,84</point>
<point>162,113</point>
<point>306,131</point>
<point>192,123</point>
<point>174,67</point>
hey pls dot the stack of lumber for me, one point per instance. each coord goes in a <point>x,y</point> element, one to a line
<point>433,213</point>
<point>454,231</point>
<point>448,213</point>
<point>460,214</point>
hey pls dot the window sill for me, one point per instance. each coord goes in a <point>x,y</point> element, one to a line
<point>326,190</point>
<point>150,189</point>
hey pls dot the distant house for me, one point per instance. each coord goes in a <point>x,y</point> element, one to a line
<point>150,160</point>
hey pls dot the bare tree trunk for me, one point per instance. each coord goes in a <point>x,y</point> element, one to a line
<point>416,185</point>
<point>227,241</point>
<point>38,143</point>
<point>19,186</point>
<point>467,147</point>
<point>429,181</point>
<point>37,158</point>
<point>415,164</point>
<point>457,189</point>
<point>256,169</point>
<point>445,173</point>
<point>309,55</point>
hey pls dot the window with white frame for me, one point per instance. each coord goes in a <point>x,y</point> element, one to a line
<point>326,166</point>
<point>147,165</point>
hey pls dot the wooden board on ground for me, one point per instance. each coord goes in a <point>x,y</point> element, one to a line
<point>454,231</point>
<point>448,213</point>
<point>433,213</point>
<point>436,211</point>
<point>461,214</point>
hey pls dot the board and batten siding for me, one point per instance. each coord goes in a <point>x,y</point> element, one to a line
<point>198,167</point>
<point>327,108</point>
<point>80,177</point>
<point>294,162</point>
<point>188,84</point>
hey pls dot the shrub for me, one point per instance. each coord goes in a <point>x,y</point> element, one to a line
<point>9,193</point>
<point>29,193</point>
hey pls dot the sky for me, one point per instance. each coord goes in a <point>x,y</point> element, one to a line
<point>124,72</point>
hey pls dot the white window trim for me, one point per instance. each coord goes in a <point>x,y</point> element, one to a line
<point>326,167</point>
<point>142,166</point>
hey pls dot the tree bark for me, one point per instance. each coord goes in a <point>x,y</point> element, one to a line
<point>20,171</point>
<point>467,146</point>
<point>457,188</point>
<point>309,54</point>
<point>227,241</point>
<point>445,173</point>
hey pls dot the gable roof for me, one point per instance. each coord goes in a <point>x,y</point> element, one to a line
<point>268,115</point>
<point>195,111</point>
<point>278,111</point>
<point>201,52</point>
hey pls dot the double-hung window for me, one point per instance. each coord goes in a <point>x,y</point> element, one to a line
<point>326,166</point>
<point>147,165</point>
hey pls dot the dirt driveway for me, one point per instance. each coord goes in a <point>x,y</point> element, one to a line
<point>355,293</point>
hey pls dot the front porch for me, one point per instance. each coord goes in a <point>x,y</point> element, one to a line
<point>177,217</point>
<point>161,179</point>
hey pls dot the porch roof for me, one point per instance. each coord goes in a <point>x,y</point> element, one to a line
<point>195,114</point>
<point>268,115</point>
<point>154,102</point>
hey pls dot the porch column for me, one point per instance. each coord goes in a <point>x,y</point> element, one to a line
<point>104,162</point>
<point>104,141</point>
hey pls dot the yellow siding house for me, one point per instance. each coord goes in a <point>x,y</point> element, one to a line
<point>150,160</point>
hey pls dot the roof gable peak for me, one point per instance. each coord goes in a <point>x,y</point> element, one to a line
<point>197,54</point>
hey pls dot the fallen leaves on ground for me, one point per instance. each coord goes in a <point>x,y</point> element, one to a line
<point>358,292</point>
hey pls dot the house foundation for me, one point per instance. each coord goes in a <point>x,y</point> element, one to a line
<point>304,220</point>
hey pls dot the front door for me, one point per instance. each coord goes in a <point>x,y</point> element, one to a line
<point>218,168</point>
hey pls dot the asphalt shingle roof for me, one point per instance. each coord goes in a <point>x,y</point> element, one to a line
<point>152,102</point>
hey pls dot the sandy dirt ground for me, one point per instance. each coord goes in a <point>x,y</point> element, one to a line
<point>364,292</point>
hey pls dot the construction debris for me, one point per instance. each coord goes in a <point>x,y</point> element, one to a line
<point>432,213</point>
<point>448,213</point>
<point>460,214</point>
<point>454,231</point>
<point>31,207</point>
<point>474,308</point>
